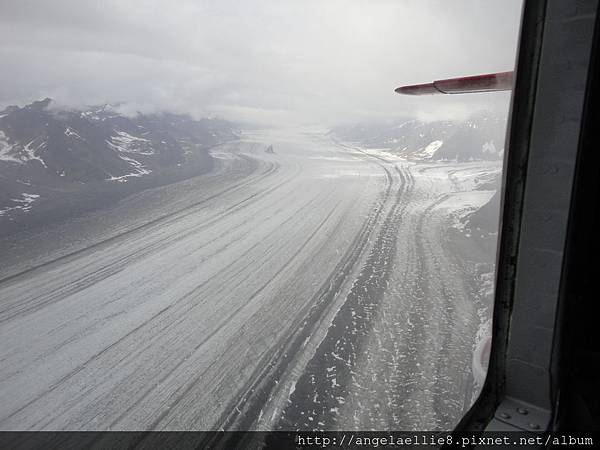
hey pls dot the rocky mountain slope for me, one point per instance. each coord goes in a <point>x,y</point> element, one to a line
<point>481,136</point>
<point>61,161</point>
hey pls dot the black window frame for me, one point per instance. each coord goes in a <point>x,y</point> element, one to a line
<point>544,142</point>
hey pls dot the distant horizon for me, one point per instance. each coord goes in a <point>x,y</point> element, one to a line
<point>57,106</point>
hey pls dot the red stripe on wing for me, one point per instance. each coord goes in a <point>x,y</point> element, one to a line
<point>501,81</point>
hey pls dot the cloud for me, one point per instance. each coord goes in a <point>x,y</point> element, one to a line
<point>267,61</point>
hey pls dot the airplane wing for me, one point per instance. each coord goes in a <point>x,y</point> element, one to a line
<point>502,81</point>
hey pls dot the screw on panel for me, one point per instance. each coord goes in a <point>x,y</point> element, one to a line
<point>522,411</point>
<point>504,415</point>
<point>534,426</point>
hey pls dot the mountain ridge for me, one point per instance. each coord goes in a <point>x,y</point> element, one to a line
<point>481,136</point>
<point>57,160</point>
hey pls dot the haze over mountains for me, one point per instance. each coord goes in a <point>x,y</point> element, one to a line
<point>57,163</point>
<point>61,161</point>
<point>481,136</point>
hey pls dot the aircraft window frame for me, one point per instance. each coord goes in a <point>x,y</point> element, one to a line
<point>543,140</point>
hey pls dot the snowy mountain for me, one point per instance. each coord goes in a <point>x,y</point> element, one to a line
<point>479,137</point>
<point>61,158</point>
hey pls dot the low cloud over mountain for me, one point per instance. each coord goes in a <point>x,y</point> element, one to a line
<point>52,158</point>
<point>481,136</point>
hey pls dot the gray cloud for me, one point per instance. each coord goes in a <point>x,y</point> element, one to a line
<point>267,61</point>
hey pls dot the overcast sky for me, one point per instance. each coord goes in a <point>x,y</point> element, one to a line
<point>263,61</point>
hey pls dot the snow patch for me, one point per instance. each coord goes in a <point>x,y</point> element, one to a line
<point>6,148</point>
<point>470,179</point>
<point>483,338</point>
<point>464,204</point>
<point>125,142</point>
<point>481,354</point>
<point>24,204</point>
<point>429,151</point>
<point>89,115</point>
<point>19,154</point>
<point>31,153</point>
<point>139,170</point>
<point>70,132</point>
